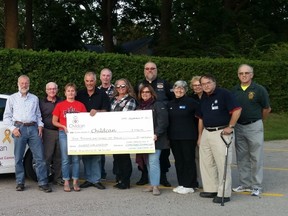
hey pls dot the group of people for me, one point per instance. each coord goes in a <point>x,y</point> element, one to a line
<point>190,125</point>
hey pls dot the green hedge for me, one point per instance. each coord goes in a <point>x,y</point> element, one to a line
<point>64,67</point>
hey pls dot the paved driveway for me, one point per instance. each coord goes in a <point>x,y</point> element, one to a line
<point>110,202</point>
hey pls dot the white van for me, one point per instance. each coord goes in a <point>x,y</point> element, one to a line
<point>7,163</point>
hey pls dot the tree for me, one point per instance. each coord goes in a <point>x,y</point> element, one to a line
<point>98,20</point>
<point>165,22</point>
<point>55,28</point>
<point>2,27</point>
<point>28,24</point>
<point>11,23</point>
<point>106,25</point>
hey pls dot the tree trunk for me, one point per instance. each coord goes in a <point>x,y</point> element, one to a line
<point>165,28</point>
<point>106,25</point>
<point>28,25</point>
<point>11,23</point>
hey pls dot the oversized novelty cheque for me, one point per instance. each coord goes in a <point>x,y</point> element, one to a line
<point>110,133</point>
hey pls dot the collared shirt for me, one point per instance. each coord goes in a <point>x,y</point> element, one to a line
<point>109,91</point>
<point>99,100</point>
<point>252,100</point>
<point>215,110</point>
<point>24,109</point>
<point>46,108</point>
<point>127,103</point>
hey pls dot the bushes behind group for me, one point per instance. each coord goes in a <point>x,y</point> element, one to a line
<point>64,67</point>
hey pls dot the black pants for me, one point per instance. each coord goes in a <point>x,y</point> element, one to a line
<point>103,172</point>
<point>164,160</point>
<point>123,167</point>
<point>184,155</point>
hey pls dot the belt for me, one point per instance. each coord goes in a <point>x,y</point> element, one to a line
<point>246,123</point>
<point>210,129</point>
<point>25,124</point>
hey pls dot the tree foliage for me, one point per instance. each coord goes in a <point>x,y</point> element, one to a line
<point>180,28</point>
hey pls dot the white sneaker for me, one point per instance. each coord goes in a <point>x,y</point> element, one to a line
<point>177,188</point>
<point>255,192</point>
<point>185,190</point>
<point>241,188</point>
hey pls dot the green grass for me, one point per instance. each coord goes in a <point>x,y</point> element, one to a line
<point>276,127</point>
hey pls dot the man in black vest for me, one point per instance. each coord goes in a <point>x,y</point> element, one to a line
<point>164,93</point>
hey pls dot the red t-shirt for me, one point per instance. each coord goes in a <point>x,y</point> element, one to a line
<point>64,107</point>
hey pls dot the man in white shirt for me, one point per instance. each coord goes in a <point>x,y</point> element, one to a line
<point>23,118</point>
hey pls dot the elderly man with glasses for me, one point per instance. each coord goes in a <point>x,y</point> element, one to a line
<point>249,131</point>
<point>50,133</point>
<point>217,115</point>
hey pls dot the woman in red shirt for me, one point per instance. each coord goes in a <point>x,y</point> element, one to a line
<point>70,105</point>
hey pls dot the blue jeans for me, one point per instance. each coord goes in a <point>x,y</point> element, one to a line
<point>29,135</point>
<point>153,167</point>
<point>92,168</point>
<point>65,159</point>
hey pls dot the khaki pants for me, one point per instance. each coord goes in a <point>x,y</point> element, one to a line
<point>212,161</point>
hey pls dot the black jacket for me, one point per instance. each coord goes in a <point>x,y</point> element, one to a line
<point>160,123</point>
<point>182,121</point>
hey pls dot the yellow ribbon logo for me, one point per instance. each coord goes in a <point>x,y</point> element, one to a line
<point>7,136</point>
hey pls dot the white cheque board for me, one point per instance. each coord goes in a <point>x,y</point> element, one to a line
<point>110,133</point>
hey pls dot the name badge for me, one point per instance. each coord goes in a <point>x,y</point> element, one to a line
<point>182,107</point>
<point>214,105</point>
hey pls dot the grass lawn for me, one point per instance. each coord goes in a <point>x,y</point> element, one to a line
<point>276,126</point>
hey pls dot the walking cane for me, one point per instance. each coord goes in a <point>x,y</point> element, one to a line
<point>226,161</point>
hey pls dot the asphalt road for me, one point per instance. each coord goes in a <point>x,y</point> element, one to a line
<point>110,202</point>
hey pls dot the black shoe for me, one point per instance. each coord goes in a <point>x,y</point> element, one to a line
<point>142,181</point>
<point>144,177</point>
<point>122,186</point>
<point>164,181</point>
<point>46,188</point>
<point>208,194</point>
<point>86,184</point>
<point>99,185</point>
<point>20,187</point>
<point>219,199</point>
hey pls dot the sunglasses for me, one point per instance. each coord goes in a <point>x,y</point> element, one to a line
<point>121,86</point>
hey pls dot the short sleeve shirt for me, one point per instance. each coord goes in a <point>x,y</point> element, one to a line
<point>253,100</point>
<point>216,109</point>
<point>64,107</point>
<point>99,100</point>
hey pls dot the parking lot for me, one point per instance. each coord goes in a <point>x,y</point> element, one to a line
<point>91,201</point>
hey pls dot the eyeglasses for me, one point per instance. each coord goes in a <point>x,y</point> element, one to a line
<point>145,92</point>
<point>121,86</point>
<point>51,89</point>
<point>152,68</point>
<point>243,73</point>
<point>207,83</point>
<point>196,85</point>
